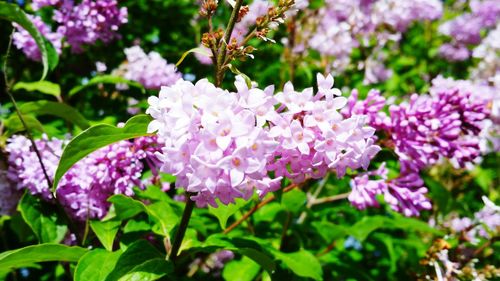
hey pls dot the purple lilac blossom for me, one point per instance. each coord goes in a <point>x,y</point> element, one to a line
<point>151,70</point>
<point>37,4</point>
<point>84,189</point>
<point>23,40</point>
<point>89,21</point>
<point>221,145</point>
<point>343,25</point>
<point>405,194</point>
<point>465,29</point>
<point>484,223</point>
<point>9,195</point>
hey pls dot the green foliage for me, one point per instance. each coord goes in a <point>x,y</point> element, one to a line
<point>106,79</point>
<point>43,219</point>
<point>44,87</point>
<point>30,255</point>
<point>96,137</point>
<point>13,13</point>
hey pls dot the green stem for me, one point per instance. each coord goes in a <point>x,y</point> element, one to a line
<point>179,236</point>
<point>19,114</point>
<point>227,37</point>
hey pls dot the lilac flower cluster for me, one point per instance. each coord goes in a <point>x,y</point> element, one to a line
<point>314,137</point>
<point>405,194</point>
<point>481,91</point>
<point>89,21</point>
<point>38,4</point>
<point>445,124</point>
<point>80,24</point>
<point>343,25</point>
<point>466,29</point>
<point>23,40</point>
<point>9,195</point>
<point>151,70</point>
<point>221,145</point>
<point>213,264</point>
<point>84,189</point>
<point>484,223</point>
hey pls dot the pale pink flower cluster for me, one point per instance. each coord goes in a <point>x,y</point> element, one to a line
<point>221,145</point>
<point>151,70</point>
<point>314,137</point>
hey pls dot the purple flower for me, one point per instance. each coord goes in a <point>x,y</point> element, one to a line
<point>23,40</point>
<point>151,70</point>
<point>222,145</point>
<point>9,195</point>
<point>85,188</point>
<point>405,194</point>
<point>89,21</point>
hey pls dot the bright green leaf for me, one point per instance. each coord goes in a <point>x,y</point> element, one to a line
<point>96,265</point>
<point>58,109</point>
<point>240,270</point>
<point>106,79</point>
<point>106,232</point>
<point>14,125</point>
<point>302,263</point>
<point>224,212</point>
<point>96,137</point>
<point>294,200</point>
<point>39,253</point>
<point>44,87</point>
<point>125,207</point>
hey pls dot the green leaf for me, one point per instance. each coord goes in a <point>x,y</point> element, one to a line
<point>125,207</point>
<point>137,258</point>
<point>14,125</point>
<point>106,79</point>
<point>440,195</point>
<point>58,109</point>
<point>96,137</point>
<point>294,200</point>
<point>302,263</point>
<point>330,231</point>
<point>365,226</point>
<point>96,265</point>
<point>44,87</point>
<point>223,212</point>
<point>106,232</point>
<point>199,50</point>
<point>256,249</point>
<point>149,271</point>
<point>164,215</point>
<point>42,219</point>
<point>14,13</point>
<point>39,253</point>
<point>240,270</point>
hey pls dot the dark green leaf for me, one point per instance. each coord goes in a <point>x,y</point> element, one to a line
<point>12,12</point>
<point>136,257</point>
<point>43,219</point>
<point>302,263</point>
